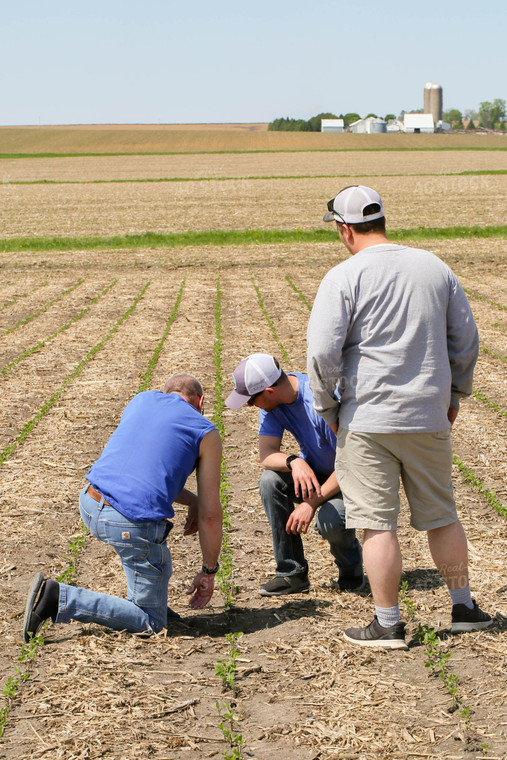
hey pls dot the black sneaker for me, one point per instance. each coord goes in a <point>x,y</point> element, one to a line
<point>351,583</point>
<point>375,635</point>
<point>285,584</point>
<point>41,604</point>
<point>464,619</point>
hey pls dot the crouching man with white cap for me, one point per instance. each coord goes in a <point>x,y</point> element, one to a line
<point>293,487</point>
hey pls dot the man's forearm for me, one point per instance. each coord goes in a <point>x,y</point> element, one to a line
<point>329,489</point>
<point>276,460</point>
<point>210,539</point>
<point>186,497</point>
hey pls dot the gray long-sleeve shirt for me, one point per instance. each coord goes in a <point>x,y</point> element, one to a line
<point>391,335</point>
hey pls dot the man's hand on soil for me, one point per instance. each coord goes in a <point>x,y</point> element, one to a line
<point>202,588</point>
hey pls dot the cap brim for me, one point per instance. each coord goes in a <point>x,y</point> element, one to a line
<point>236,400</point>
<point>329,217</point>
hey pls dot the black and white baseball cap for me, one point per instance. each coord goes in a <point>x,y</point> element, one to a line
<point>252,375</point>
<point>349,205</point>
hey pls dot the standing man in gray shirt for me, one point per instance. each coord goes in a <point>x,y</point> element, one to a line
<point>392,345</point>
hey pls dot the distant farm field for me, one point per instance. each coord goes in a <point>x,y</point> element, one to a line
<point>83,330</point>
<point>160,138</point>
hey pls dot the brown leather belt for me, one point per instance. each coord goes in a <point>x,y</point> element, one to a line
<point>96,495</point>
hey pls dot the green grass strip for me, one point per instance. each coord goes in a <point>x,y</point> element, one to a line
<point>478,297</point>
<point>396,149</point>
<point>61,329</point>
<point>42,309</point>
<point>470,479</point>
<point>146,378</point>
<point>140,180</point>
<point>23,295</point>
<point>31,424</point>
<point>234,237</point>
<point>480,396</point>
<point>270,322</point>
<point>300,293</point>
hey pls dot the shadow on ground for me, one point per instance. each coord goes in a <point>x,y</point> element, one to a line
<point>247,619</point>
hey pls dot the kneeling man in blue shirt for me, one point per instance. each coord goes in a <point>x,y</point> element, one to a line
<point>162,437</point>
<point>294,487</point>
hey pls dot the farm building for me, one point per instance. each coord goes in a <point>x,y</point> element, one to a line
<point>418,122</point>
<point>370,125</point>
<point>394,125</point>
<point>331,125</point>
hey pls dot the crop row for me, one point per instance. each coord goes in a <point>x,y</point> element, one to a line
<point>42,309</point>
<point>61,329</point>
<point>44,409</point>
<point>13,300</point>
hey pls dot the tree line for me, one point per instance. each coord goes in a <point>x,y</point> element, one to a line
<point>490,115</point>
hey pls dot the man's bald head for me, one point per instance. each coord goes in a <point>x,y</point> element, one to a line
<point>188,385</point>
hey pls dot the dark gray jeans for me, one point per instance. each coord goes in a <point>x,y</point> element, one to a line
<point>278,499</point>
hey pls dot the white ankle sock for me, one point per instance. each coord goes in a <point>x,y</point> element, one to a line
<point>388,616</point>
<point>462,596</point>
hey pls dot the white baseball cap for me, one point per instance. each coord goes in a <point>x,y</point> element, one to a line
<point>348,206</point>
<point>252,375</point>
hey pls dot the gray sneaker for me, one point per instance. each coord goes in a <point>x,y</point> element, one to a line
<point>375,635</point>
<point>464,619</point>
<point>285,584</point>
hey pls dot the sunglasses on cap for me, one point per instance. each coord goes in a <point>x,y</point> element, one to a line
<point>330,207</point>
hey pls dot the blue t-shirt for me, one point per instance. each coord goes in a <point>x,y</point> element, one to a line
<point>315,438</point>
<point>150,455</point>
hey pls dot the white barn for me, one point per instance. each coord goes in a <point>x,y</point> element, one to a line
<point>371,125</point>
<point>418,122</point>
<point>331,125</point>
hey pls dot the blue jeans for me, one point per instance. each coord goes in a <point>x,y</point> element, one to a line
<point>278,499</point>
<point>146,561</point>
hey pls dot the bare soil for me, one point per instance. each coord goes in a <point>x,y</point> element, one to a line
<point>306,163</point>
<point>131,208</point>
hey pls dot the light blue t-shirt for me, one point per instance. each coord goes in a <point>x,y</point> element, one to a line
<point>315,438</point>
<point>150,455</point>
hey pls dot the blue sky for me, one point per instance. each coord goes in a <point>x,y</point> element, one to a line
<point>113,61</point>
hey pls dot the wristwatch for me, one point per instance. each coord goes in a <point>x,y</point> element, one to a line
<point>290,459</point>
<point>212,570</point>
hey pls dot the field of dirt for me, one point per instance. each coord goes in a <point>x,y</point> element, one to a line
<point>160,138</point>
<point>240,166</point>
<point>302,692</point>
<point>130,208</point>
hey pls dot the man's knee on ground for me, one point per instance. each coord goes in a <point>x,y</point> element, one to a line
<point>330,522</point>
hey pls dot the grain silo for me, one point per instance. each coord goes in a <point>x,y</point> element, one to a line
<point>433,100</point>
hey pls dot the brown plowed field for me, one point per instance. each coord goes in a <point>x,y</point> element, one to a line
<point>302,692</point>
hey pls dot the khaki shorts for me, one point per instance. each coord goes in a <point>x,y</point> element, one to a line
<point>369,467</point>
